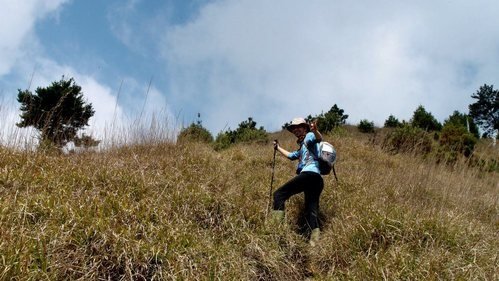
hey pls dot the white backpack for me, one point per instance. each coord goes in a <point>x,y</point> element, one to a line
<point>327,158</point>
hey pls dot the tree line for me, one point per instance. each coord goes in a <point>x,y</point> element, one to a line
<point>59,112</point>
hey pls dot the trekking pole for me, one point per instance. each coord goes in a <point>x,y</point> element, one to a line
<point>334,172</point>
<point>272,179</point>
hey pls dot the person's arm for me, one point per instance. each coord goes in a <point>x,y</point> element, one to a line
<point>315,130</point>
<point>281,150</point>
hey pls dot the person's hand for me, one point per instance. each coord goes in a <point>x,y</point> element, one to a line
<point>313,126</point>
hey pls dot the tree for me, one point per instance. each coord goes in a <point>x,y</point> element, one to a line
<point>462,120</point>
<point>485,111</point>
<point>331,119</point>
<point>57,111</point>
<point>392,122</point>
<point>326,122</point>
<point>365,126</point>
<point>425,120</point>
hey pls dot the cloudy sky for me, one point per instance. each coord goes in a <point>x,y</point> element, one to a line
<point>269,59</point>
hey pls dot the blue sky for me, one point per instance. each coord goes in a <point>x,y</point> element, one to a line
<point>232,59</point>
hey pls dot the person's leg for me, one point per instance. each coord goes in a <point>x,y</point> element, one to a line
<point>313,191</point>
<point>292,187</point>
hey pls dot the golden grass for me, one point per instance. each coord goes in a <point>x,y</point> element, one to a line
<point>185,212</point>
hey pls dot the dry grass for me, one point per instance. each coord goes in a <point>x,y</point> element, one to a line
<point>185,212</point>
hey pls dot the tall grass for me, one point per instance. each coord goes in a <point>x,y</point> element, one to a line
<point>155,127</point>
<point>161,211</point>
<point>10,134</point>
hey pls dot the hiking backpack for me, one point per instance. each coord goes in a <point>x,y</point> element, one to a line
<point>327,158</point>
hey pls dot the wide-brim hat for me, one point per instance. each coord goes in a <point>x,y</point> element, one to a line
<point>297,122</point>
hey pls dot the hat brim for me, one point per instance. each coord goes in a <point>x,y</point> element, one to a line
<point>291,127</point>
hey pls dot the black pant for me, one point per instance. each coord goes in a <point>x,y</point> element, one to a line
<point>311,184</point>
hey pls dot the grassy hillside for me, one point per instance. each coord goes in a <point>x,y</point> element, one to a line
<point>185,212</point>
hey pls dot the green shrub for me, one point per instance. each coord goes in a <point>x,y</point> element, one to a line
<point>331,119</point>
<point>408,139</point>
<point>245,133</point>
<point>463,120</point>
<point>223,141</point>
<point>425,120</point>
<point>365,126</point>
<point>250,135</point>
<point>457,139</point>
<point>195,132</point>
<point>392,122</point>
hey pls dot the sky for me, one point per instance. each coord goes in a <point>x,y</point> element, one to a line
<point>228,60</point>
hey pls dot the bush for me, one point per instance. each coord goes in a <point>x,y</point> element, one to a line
<point>456,138</point>
<point>463,120</point>
<point>365,126</point>
<point>223,141</point>
<point>246,132</point>
<point>425,120</point>
<point>331,119</point>
<point>408,139</point>
<point>195,132</point>
<point>392,122</point>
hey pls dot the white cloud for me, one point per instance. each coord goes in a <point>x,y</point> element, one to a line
<point>16,42</point>
<point>103,100</point>
<point>274,60</point>
<point>124,115</point>
<point>18,20</point>
<point>136,29</point>
<point>22,57</point>
<point>118,18</point>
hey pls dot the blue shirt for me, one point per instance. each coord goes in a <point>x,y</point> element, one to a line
<point>307,161</point>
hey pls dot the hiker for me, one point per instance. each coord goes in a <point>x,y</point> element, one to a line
<point>308,179</point>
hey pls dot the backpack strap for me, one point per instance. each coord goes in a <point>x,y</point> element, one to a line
<point>310,152</point>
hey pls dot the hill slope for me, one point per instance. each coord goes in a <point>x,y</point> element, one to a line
<point>164,211</point>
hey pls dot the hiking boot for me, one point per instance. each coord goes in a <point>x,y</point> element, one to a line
<point>314,237</point>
